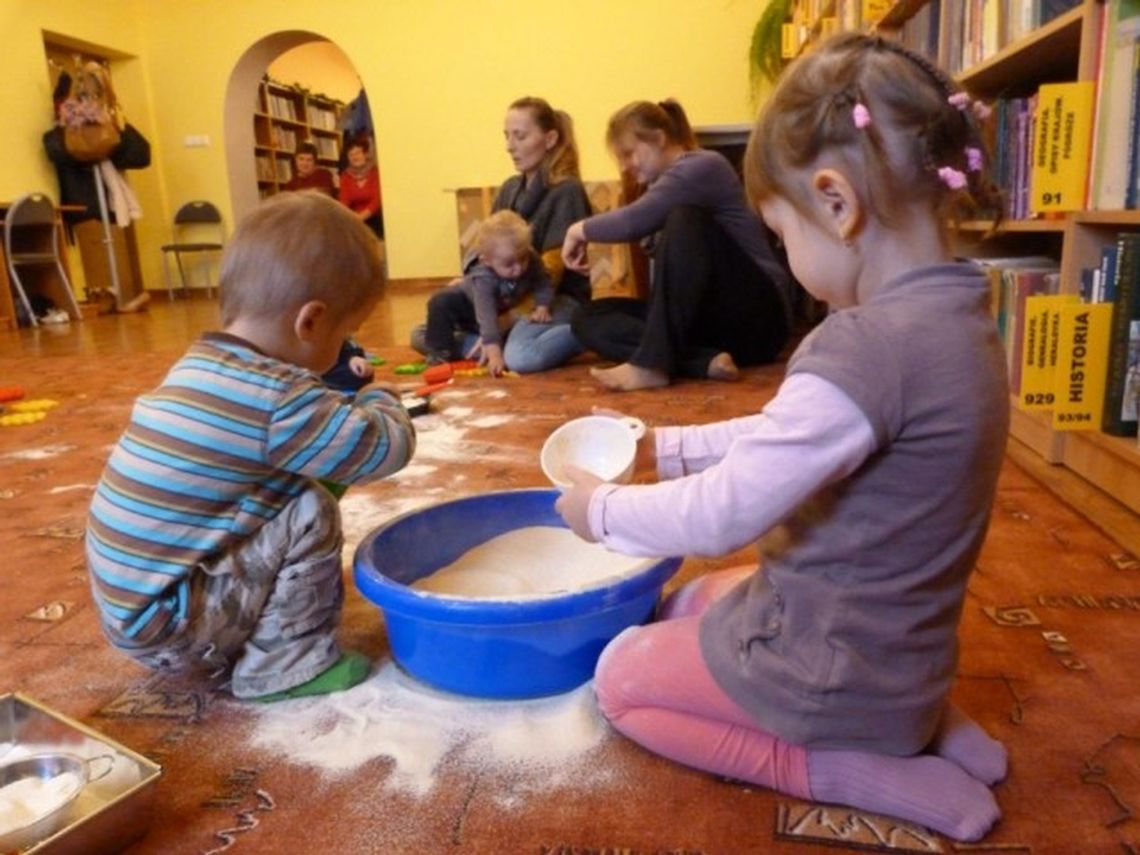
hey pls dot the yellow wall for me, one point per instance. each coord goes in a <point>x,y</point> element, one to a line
<point>439,74</point>
<point>320,67</point>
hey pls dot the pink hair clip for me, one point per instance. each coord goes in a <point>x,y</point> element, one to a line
<point>960,100</point>
<point>981,111</point>
<point>973,159</point>
<point>861,115</point>
<point>952,178</point>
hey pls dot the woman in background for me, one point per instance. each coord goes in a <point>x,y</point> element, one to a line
<point>306,174</point>
<point>360,185</point>
<point>547,192</point>
<point>719,298</point>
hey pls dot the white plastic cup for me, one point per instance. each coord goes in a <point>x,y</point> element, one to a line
<point>602,445</point>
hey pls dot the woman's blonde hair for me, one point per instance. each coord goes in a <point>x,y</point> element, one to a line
<point>561,162</point>
<point>297,247</point>
<point>645,119</point>
<point>503,225</point>
<point>898,126</point>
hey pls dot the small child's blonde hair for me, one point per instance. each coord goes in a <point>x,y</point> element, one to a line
<point>898,126</point>
<point>503,225</point>
<point>294,248</point>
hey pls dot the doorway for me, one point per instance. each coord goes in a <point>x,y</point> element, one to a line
<point>315,96</point>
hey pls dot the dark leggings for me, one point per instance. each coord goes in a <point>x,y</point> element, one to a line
<point>707,297</point>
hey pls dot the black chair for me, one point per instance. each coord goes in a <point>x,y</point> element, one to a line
<point>192,220</point>
<point>31,246</point>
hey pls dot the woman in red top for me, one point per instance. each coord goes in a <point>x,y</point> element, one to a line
<point>360,185</point>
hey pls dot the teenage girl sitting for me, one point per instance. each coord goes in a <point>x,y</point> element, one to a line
<point>719,298</point>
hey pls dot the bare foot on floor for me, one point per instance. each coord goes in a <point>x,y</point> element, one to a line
<point>629,378</point>
<point>722,367</point>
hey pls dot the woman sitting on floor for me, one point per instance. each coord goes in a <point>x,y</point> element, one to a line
<point>719,298</point>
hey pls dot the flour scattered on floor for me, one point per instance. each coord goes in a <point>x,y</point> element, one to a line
<point>70,487</point>
<point>494,420</point>
<point>495,393</point>
<point>544,741</point>
<point>45,453</point>
<point>360,513</point>
<point>458,412</point>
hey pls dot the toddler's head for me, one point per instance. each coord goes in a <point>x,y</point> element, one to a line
<point>898,127</point>
<point>503,244</point>
<point>296,248</point>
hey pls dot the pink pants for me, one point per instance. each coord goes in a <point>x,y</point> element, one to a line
<point>654,687</point>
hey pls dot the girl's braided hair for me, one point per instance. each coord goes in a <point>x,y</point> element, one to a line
<point>897,125</point>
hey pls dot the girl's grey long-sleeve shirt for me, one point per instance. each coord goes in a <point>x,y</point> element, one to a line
<point>703,179</point>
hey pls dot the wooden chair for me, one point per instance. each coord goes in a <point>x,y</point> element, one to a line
<point>190,220</point>
<point>31,247</point>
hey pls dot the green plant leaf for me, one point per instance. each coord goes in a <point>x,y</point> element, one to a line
<point>764,53</point>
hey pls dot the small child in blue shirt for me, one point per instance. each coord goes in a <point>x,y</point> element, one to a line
<point>472,316</point>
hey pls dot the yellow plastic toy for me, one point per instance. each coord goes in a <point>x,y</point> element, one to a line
<point>21,418</point>
<point>39,405</point>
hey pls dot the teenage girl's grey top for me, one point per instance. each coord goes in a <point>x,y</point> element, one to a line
<point>703,179</point>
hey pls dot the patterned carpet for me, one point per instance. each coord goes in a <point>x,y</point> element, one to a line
<point>1049,666</point>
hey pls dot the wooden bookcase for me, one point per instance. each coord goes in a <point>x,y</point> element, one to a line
<point>1064,49</point>
<point>285,116</point>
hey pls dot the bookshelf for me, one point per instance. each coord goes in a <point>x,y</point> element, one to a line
<point>283,117</point>
<point>1060,50</point>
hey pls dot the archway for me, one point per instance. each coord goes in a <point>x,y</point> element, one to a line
<point>240,142</point>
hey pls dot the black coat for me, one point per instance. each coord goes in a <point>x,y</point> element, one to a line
<point>77,177</point>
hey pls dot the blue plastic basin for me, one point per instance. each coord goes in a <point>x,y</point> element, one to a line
<point>492,648</point>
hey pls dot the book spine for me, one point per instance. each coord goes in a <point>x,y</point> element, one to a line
<point>1082,365</point>
<point>1039,352</point>
<point>1061,146</point>
<point>1122,384</point>
<point>1130,188</point>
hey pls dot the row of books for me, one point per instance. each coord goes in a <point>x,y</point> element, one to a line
<point>281,106</point>
<point>327,148</point>
<point>283,139</point>
<point>273,169</point>
<point>974,30</point>
<point>819,19</point>
<point>321,117</point>
<point>1114,181</point>
<point>1076,355</point>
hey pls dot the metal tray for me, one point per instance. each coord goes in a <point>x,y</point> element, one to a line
<point>92,829</point>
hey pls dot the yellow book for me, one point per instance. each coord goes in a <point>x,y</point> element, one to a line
<point>1062,135</point>
<point>1040,348</point>
<point>789,44</point>
<point>873,10</point>
<point>1082,365</point>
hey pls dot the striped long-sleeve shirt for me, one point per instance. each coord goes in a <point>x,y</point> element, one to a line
<point>228,440</point>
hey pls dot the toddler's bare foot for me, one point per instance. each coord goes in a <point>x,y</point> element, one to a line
<point>628,377</point>
<point>722,367</point>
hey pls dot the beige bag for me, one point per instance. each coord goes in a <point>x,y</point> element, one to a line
<point>88,116</point>
<point>91,142</point>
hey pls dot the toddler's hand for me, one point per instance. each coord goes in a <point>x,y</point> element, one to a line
<point>493,358</point>
<point>541,315</point>
<point>574,503</point>
<point>361,367</point>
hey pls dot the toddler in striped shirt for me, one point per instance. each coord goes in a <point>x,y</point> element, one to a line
<point>212,545</point>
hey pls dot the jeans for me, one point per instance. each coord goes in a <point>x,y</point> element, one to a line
<point>535,347</point>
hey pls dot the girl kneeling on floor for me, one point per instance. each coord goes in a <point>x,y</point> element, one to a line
<point>871,474</point>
